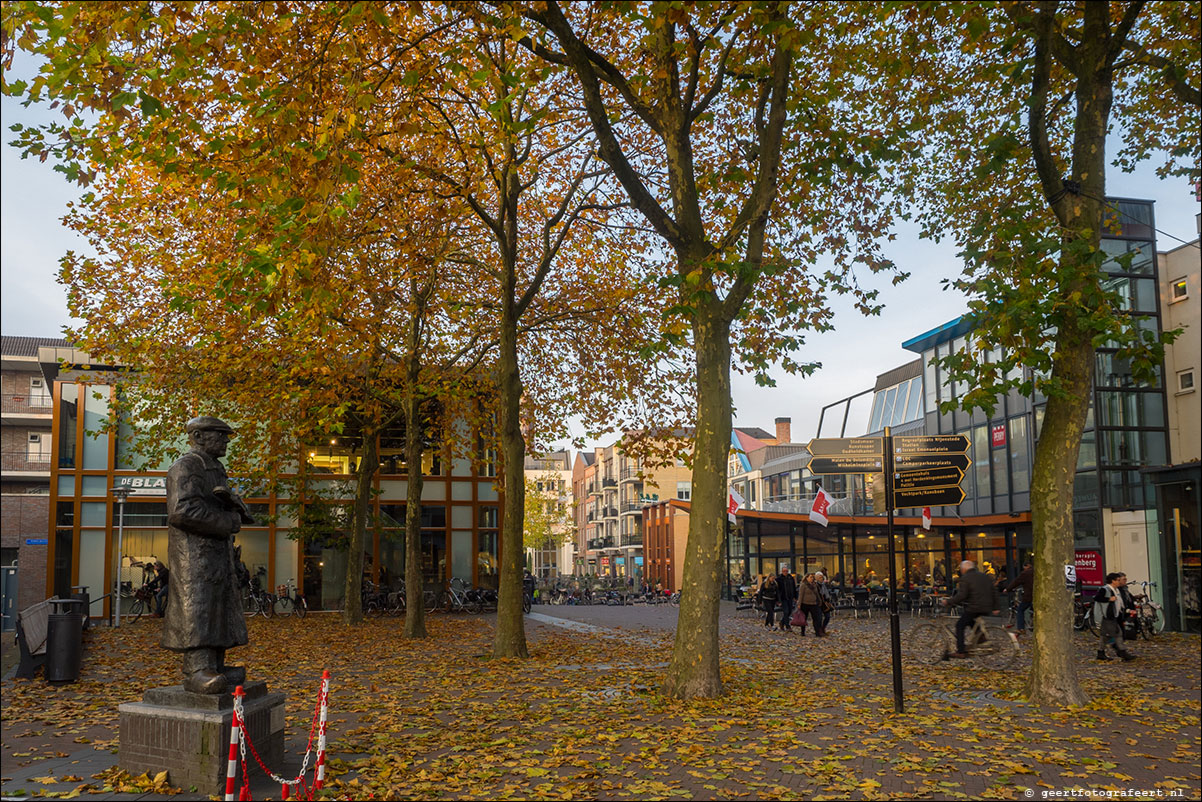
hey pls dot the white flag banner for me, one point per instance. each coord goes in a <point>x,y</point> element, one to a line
<point>822,503</point>
<point>733,503</point>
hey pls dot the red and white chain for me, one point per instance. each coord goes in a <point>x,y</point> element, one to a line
<point>242,742</point>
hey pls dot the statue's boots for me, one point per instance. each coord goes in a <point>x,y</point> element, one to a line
<point>202,673</point>
<point>234,675</point>
<point>206,681</point>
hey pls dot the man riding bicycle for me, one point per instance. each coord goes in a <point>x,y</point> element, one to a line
<point>978,594</point>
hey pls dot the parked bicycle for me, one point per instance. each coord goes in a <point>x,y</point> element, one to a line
<point>255,600</point>
<point>289,601</point>
<point>143,602</point>
<point>1149,615</point>
<point>1083,613</point>
<point>988,644</point>
<point>455,599</point>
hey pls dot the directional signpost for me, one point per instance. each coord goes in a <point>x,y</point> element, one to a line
<point>918,471</point>
<point>927,470</point>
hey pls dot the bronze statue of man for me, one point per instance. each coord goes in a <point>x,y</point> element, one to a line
<point>204,618</point>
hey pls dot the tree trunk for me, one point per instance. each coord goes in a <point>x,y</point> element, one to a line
<point>510,640</point>
<point>352,610</point>
<point>694,671</point>
<point>1053,680</point>
<point>415,609</point>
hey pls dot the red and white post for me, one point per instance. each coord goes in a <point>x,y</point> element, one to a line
<point>231,770</point>
<point>320,772</point>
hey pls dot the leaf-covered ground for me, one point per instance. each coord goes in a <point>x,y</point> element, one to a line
<point>801,718</point>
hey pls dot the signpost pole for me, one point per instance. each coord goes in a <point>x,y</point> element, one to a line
<point>894,619</point>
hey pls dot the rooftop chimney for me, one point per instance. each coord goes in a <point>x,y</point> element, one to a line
<point>784,430</point>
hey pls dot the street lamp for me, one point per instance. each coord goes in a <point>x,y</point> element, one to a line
<point>120,492</point>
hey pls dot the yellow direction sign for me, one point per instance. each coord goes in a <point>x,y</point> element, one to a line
<point>947,476</point>
<point>929,496</point>
<point>846,446</point>
<point>930,444</point>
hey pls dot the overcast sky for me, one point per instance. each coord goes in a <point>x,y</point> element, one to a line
<point>32,240</point>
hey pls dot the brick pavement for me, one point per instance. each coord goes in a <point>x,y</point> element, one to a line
<point>940,749</point>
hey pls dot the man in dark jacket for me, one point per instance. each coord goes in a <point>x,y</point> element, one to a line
<point>978,594</point>
<point>787,588</point>
<point>204,618</point>
<point>1025,582</point>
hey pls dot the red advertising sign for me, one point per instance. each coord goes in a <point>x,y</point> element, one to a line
<point>1089,568</point>
<point>605,561</point>
<point>998,434</point>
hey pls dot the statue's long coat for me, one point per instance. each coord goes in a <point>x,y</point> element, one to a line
<point>205,605</point>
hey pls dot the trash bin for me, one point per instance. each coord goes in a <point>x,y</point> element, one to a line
<point>64,641</point>
<point>81,592</point>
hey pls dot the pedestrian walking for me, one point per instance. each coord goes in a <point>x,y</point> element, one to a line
<point>786,585</point>
<point>1109,610</point>
<point>768,596</point>
<point>810,599</point>
<point>826,603</point>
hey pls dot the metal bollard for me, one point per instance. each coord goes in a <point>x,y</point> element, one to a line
<point>64,641</point>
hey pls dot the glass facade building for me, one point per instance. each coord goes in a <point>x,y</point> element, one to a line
<point>461,509</point>
<point>1116,523</point>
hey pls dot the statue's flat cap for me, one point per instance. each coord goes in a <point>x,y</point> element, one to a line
<point>207,423</point>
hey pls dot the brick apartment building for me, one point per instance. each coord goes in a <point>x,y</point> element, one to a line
<point>26,449</point>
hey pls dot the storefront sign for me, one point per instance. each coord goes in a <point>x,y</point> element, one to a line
<point>605,561</point>
<point>144,485</point>
<point>36,541</point>
<point>620,561</point>
<point>998,435</point>
<point>1089,568</point>
<point>638,560</point>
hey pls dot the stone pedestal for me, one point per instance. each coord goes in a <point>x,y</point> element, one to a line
<point>188,734</point>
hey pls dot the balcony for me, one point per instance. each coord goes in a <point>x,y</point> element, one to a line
<point>609,481</point>
<point>25,408</point>
<point>632,540</point>
<point>593,489</point>
<point>22,464</point>
<point>591,516</point>
<point>38,403</point>
<point>631,506</point>
<point>609,512</point>
<point>631,475</point>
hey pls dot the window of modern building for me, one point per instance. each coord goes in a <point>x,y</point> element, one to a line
<point>1127,256</point>
<point>1113,370</point>
<point>1020,455</point>
<point>1179,290</point>
<point>914,405</point>
<point>980,462</point>
<point>1185,381</point>
<point>1137,409</point>
<point>874,421</point>
<point>931,381</point>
